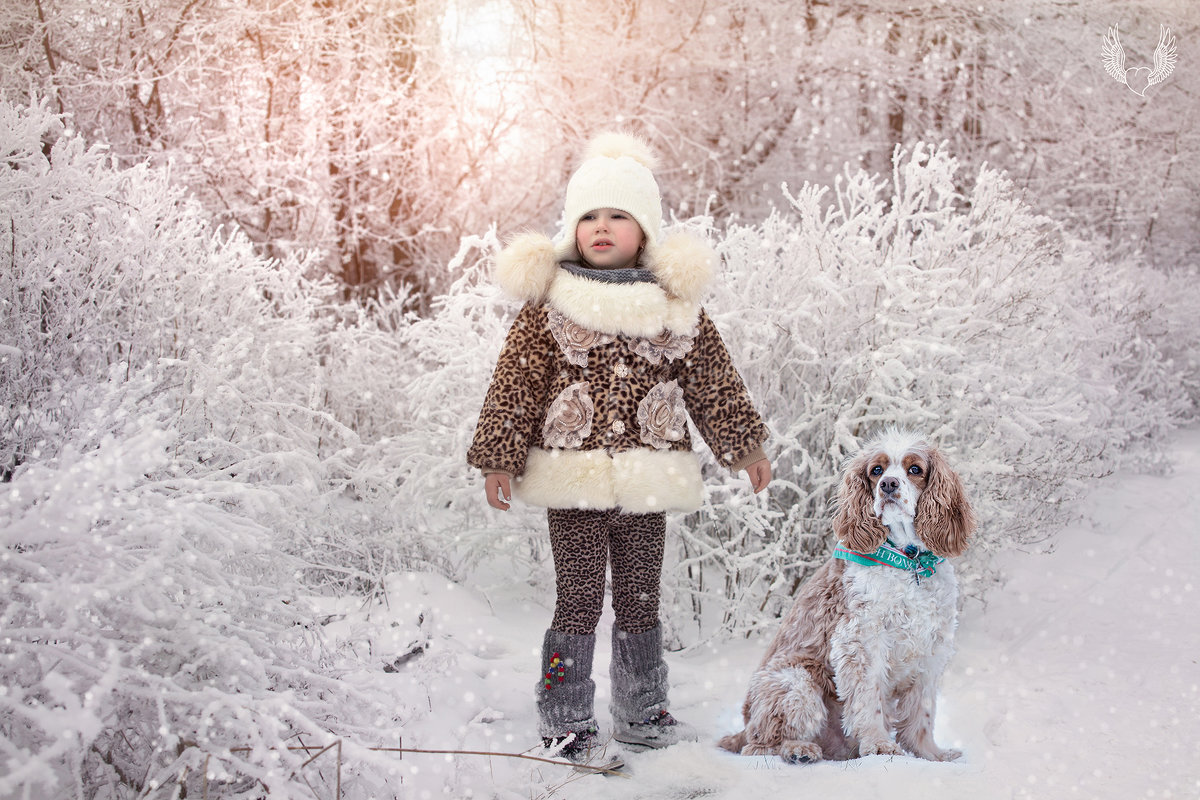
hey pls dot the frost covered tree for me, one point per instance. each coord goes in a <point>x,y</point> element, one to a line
<point>316,126</point>
<point>381,133</point>
<point>740,97</point>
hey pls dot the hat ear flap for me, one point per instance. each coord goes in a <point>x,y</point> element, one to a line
<point>525,268</point>
<point>684,265</point>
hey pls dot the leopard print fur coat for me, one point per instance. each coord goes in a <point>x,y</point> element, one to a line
<point>588,404</point>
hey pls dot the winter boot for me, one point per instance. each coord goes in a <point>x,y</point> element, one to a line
<point>565,693</point>
<point>578,747</point>
<point>639,692</point>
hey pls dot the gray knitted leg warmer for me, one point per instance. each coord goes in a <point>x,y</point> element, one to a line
<point>639,702</point>
<point>639,675</point>
<point>565,690</point>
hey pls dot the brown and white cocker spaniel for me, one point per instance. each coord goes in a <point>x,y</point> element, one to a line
<point>855,667</point>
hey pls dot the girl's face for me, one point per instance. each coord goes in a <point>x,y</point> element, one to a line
<point>609,239</point>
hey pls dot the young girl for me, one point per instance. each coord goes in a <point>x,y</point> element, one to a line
<point>586,415</point>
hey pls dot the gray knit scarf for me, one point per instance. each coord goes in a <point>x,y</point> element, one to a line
<point>625,275</point>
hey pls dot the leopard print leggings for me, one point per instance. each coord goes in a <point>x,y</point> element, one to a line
<point>582,542</point>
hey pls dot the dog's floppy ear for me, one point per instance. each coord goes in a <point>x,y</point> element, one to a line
<point>944,519</point>
<point>855,523</point>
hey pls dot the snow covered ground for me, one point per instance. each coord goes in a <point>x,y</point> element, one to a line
<point>1078,678</point>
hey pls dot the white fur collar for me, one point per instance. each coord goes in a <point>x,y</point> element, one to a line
<point>633,309</point>
<point>682,264</point>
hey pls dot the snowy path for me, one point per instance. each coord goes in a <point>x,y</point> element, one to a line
<point>1078,679</point>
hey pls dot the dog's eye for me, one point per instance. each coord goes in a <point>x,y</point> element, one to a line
<point>914,470</point>
<point>876,470</point>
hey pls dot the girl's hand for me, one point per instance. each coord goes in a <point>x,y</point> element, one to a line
<point>498,487</point>
<point>759,474</point>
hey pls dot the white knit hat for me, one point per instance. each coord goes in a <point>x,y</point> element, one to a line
<point>616,173</point>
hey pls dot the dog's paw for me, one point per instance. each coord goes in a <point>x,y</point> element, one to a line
<point>759,750</point>
<point>880,748</point>
<point>800,752</point>
<point>947,755</point>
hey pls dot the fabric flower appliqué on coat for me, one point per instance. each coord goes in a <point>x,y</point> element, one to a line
<point>666,345</point>
<point>569,419</point>
<point>574,339</point>
<point>662,415</point>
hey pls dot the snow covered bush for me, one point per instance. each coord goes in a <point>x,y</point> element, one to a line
<point>152,642</point>
<point>427,377</point>
<point>956,312</point>
<point>277,392</point>
<point>174,484</point>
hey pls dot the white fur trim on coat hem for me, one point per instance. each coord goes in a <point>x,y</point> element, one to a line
<point>636,481</point>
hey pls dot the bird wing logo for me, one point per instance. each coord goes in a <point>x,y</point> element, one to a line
<point>1139,79</point>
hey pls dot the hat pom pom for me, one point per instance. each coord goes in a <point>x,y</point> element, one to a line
<point>616,145</point>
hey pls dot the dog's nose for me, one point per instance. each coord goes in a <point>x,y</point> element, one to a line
<point>889,485</point>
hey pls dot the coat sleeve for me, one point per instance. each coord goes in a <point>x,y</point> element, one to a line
<point>516,397</point>
<point>718,402</point>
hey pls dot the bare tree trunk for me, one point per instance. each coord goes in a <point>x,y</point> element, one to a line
<point>898,94</point>
<point>49,51</point>
<point>365,257</point>
<point>145,116</point>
